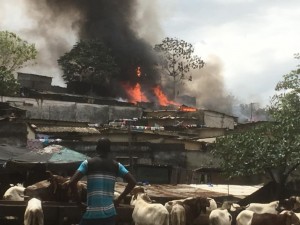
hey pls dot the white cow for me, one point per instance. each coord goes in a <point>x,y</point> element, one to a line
<point>147,213</point>
<point>264,207</point>
<point>14,193</point>
<point>220,217</point>
<point>212,205</point>
<point>34,213</point>
<point>177,215</point>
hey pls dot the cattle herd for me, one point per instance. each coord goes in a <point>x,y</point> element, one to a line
<point>145,211</point>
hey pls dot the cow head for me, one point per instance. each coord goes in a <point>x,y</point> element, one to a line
<point>52,189</point>
<point>287,204</point>
<point>197,204</point>
<point>202,204</point>
<point>136,191</point>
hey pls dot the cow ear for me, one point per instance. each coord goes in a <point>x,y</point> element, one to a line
<point>50,174</point>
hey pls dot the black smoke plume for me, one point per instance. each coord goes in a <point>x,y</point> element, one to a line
<point>111,22</point>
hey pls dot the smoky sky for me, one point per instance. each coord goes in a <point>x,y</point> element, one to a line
<point>110,22</point>
<point>56,25</point>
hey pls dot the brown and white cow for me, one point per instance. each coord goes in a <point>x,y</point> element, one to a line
<point>286,218</point>
<point>54,189</point>
<point>186,211</point>
<point>193,208</point>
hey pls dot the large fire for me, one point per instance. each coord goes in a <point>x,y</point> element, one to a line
<point>162,98</point>
<point>135,94</point>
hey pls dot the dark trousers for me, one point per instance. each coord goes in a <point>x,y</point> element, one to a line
<point>102,221</point>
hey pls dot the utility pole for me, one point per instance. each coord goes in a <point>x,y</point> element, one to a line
<point>129,147</point>
<point>251,111</point>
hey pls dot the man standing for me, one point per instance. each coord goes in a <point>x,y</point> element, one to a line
<point>101,172</point>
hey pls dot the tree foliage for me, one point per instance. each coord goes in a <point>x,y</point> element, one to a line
<point>15,53</point>
<point>177,59</point>
<point>8,84</point>
<point>89,62</point>
<point>272,147</point>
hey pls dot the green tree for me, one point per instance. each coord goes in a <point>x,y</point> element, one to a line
<point>15,53</point>
<point>8,84</point>
<point>89,62</point>
<point>271,148</point>
<point>176,59</point>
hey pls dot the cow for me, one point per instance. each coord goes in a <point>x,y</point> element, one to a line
<point>171,203</point>
<point>14,193</point>
<point>291,203</point>
<point>203,218</point>
<point>212,205</point>
<point>54,189</point>
<point>193,208</point>
<point>271,207</point>
<point>227,214</point>
<point>252,218</point>
<point>147,213</point>
<point>220,217</point>
<point>258,208</point>
<point>34,213</point>
<point>177,214</point>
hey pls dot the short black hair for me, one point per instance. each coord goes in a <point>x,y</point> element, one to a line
<point>103,146</point>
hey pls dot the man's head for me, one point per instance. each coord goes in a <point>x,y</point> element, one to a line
<point>103,146</point>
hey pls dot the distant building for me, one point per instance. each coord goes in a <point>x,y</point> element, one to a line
<point>34,81</point>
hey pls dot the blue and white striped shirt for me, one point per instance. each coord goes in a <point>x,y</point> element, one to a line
<point>100,191</point>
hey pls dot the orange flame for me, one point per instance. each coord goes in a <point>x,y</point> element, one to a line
<point>185,108</point>
<point>138,71</point>
<point>162,98</point>
<point>135,93</point>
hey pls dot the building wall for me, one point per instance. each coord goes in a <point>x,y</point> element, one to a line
<point>72,111</point>
<point>199,159</point>
<point>210,132</point>
<point>34,81</point>
<point>218,120</point>
<point>174,122</point>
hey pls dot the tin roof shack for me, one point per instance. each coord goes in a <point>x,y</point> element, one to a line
<point>64,130</point>
<point>13,133</point>
<point>218,120</point>
<point>34,81</point>
<point>197,118</point>
<point>10,113</point>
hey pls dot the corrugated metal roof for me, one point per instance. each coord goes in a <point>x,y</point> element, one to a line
<point>56,129</point>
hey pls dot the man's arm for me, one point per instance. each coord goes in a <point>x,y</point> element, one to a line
<point>73,185</point>
<point>131,182</point>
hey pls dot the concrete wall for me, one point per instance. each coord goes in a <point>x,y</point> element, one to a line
<point>72,111</point>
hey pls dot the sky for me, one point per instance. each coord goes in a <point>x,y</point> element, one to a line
<point>254,40</point>
<point>251,42</point>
